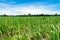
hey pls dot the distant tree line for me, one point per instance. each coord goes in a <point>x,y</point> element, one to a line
<point>32,15</point>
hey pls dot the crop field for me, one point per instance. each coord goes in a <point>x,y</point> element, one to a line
<point>30,28</point>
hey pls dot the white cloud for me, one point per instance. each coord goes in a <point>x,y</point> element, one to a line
<point>20,10</point>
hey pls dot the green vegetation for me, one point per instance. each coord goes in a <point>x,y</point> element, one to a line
<point>30,28</point>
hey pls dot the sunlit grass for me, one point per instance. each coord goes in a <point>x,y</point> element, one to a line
<point>30,28</point>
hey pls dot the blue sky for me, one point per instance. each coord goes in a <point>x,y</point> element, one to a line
<point>20,7</point>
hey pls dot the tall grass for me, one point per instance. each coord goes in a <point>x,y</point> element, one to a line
<point>30,28</point>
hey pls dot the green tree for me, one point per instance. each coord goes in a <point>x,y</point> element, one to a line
<point>5,15</point>
<point>29,14</point>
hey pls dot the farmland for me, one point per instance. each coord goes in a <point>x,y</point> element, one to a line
<point>30,28</point>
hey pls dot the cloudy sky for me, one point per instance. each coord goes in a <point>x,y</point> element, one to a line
<point>20,7</point>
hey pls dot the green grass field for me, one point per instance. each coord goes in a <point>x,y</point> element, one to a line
<point>30,28</point>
